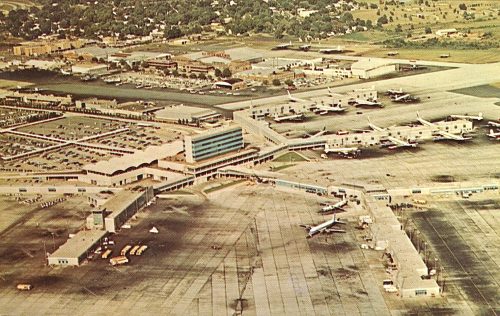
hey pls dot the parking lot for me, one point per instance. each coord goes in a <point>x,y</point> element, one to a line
<point>74,127</point>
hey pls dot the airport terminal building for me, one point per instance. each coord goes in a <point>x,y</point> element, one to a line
<point>213,143</point>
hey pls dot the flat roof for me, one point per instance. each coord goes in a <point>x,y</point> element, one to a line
<point>367,64</point>
<point>79,244</point>
<point>181,111</point>
<point>120,201</point>
<point>244,53</point>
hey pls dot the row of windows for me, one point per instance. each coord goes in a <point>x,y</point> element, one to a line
<point>206,147</point>
<point>216,142</point>
<point>218,147</point>
<point>213,138</point>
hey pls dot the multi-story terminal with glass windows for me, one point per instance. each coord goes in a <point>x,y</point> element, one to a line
<point>213,143</point>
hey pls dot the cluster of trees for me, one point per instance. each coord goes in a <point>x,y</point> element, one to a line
<point>436,43</point>
<point>179,17</point>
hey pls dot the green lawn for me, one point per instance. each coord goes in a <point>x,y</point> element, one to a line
<point>483,91</point>
<point>290,157</point>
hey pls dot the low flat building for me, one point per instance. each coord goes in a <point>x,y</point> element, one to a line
<point>89,53</point>
<point>123,206</point>
<point>366,69</point>
<point>38,48</point>
<point>129,168</point>
<point>230,84</point>
<point>265,75</point>
<point>76,249</point>
<point>89,69</point>
<point>446,32</point>
<point>181,112</point>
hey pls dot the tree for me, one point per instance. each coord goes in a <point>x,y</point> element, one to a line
<point>218,73</point>
<point>193,76</point>
<point>399,29</point>
<point>462,6</point>
<point>172,32</point>
<point>289,82</point>
<point>428,30</point>
<point>202,76</point>
<point>276,82</point>
<point>226,73</point>
<point>265,82</point>
<point>382,20</point>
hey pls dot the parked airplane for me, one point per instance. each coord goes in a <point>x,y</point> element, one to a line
<point>361,102</point>
<point>344,151</point>
<point>405,98</point>
<point>492,134</point>
<point>479,117</point>
<point>325,109</point>
<point>324,227</point>
<point>319,133</point>
<point>397,143</point>
<point>442,135</point>
<point>291,117</point>
<point>494,124</point>
<point>295,99</point>
<point>395,92</point>
<point>334,207</point>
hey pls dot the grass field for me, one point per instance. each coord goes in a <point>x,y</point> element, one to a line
<point>10,84</point>
<point>484,91</point>
<point>290,157</point>
<point>473,56</point>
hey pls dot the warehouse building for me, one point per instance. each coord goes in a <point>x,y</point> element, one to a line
<point>77,249</point>
<point>213,143</point>
<point>366,69</point>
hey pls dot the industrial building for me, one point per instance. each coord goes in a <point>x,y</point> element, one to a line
<point>76,249</point>
<point>213,143</point>
<point>89,69</point>
<point>366,69</point>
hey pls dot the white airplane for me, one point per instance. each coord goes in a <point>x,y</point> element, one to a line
<point>395,92</point>
<point>443,135</point>
<point>494,124</point>
<point>361,102</point>
<point>324,227</point>
<point>295,99</point>
<point>333,207</point>
<point>397,143</point>
<point>318,133</point>
<point>291,117</point>
<point>324,109</point>
<point>479,117</point>
<point>406,98</point>
<point>341,150</point>
<point>492,134</point>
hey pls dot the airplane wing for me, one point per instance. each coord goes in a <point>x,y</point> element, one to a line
<point>332,230</point>
<point>451,136</point>
<point>399,142</point>
<point>424,122</point>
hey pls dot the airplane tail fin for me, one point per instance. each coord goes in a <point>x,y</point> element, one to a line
<point>480,114</point>
<point>491,131</point>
